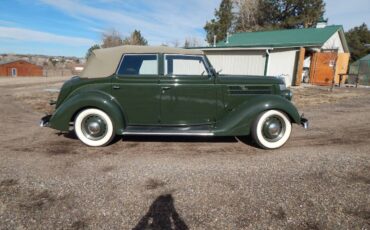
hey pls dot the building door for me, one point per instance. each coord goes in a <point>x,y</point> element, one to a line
<point>323,68</point>
<point>14,72</point>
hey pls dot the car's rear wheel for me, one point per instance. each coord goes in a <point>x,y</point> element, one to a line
<point>94,127</point>
<point>271,129</point>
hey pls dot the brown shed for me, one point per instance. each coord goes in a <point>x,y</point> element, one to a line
<point>20,68</point>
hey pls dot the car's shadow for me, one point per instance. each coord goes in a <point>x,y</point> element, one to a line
<point>247,140</point>
<point>149,138</point>
<point>180,139</point>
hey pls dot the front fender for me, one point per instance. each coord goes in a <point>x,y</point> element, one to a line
<point>240,119</point>
<point>94,99</point>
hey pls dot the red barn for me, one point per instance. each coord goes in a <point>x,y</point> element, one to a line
<point>20,68</point>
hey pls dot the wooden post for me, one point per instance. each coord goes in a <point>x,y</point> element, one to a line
<point>298,78</point>
<point>313,67</point>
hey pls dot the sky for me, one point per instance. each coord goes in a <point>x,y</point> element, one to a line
<point>70,27</point>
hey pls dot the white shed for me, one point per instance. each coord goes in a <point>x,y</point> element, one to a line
<point>275,53</point>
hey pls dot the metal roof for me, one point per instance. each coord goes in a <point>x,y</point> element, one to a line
<point>284,38</point>
<point>365,58</point>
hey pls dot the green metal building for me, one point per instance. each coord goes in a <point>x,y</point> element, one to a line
<point>361,70</point>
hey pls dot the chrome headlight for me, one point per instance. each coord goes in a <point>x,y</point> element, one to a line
<point>282,87</point>
<point>287,94</point>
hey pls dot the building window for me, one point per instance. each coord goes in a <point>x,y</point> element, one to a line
<point>14,72</point>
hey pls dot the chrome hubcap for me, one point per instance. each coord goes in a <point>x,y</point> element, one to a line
<point>94,127</point>
<point>273,128</point>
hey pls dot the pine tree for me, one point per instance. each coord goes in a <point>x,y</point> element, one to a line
<point>222,23</point>
<point>135,39</point>
<point>91,49</point>
<point>357,38</point>
<point>291,14</point>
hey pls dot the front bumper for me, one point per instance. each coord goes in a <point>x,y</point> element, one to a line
<point>44,122</point>
<point>304,122</point>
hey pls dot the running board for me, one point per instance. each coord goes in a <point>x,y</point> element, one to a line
<point>202,130</point>
<point>167,134</point>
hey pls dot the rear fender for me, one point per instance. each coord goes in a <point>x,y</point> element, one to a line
<point>240,119</point>
<point>92,99</point>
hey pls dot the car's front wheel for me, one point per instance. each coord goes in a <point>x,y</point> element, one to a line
<point>94,127</point>
<point>271,129</point>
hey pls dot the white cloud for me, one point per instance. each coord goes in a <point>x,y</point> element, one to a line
<point>159,21</point>
<point>37,36</point>
<point>94,29</point>
<point>6,23</point>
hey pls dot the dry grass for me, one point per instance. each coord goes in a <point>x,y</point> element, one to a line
<point>316,95</point>
<point>38,101</point>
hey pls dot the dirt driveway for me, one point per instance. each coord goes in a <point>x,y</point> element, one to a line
<point>319,180</point>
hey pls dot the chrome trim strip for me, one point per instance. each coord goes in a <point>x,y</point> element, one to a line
<point>168,134</point>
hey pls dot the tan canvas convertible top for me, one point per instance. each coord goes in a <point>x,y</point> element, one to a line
<point>104,62</point>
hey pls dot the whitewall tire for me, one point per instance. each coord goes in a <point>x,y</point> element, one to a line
<point>94,127</point>
<point>271,129</point>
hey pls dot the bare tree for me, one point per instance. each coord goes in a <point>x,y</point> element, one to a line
<point>192,42</point>
<point>175,43</point>
<point>246,15</point>
<point>111,38</point>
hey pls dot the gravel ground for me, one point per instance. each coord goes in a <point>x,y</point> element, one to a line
<point>319,180</point>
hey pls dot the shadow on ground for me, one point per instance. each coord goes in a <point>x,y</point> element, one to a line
<point>162,215</point>
<point>181,139</point>
<point>185,139</point>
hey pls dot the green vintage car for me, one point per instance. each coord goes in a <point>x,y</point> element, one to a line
<point>132,90</point>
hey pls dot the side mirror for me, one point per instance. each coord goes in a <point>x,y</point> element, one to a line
<point>213,71</point>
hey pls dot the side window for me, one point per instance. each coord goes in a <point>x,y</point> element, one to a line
<point>139,65</point>
<point>185,65</point>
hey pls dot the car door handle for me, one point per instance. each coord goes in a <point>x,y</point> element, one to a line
<point>116,87</point>
<point>164,89</point>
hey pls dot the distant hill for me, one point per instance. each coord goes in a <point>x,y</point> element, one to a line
<point>42,60</point>
<point>52,65</point>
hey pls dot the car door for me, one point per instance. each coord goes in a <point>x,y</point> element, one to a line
<point>136,87</point>
<point>188,92</point>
